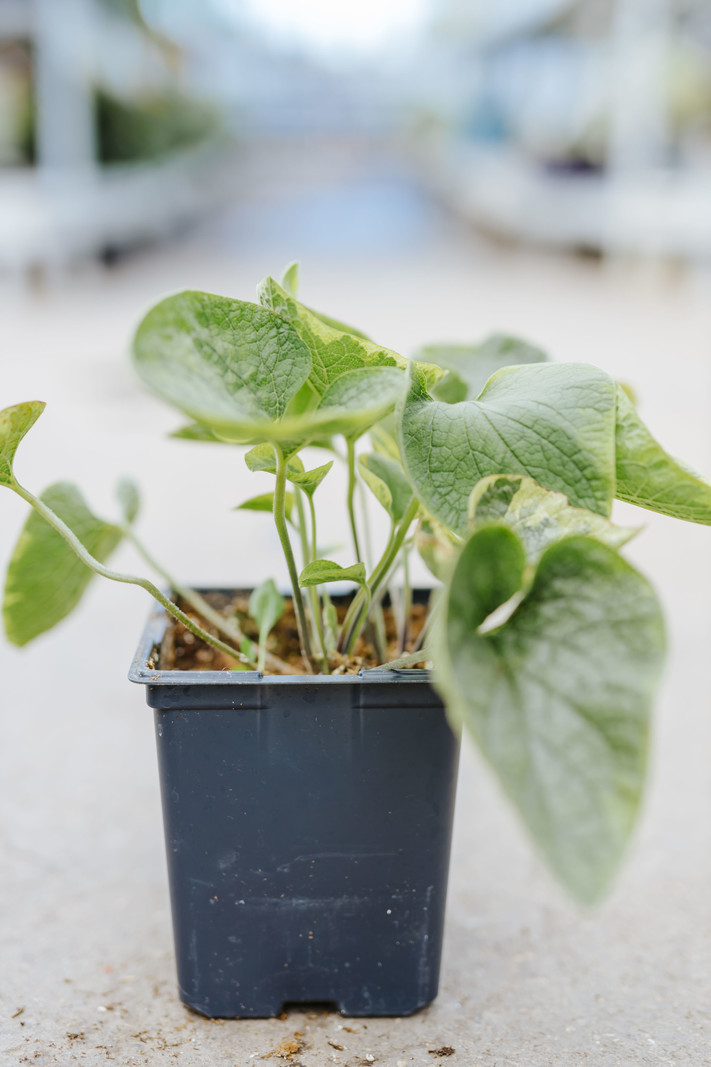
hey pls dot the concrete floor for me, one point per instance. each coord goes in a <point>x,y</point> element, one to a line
<point>528,980</point>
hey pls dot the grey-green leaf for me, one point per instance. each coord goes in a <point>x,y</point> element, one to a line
<point>649,477</point>
<point>554,423</point>
<point>129,499</point>
<point>387,481</point>
<point>558,698</point>
<point>229,364</point>
<point>359,398</point>
<point>323,570</point>
<point>15,422</point>
<point>45,580</point>
<point>469,367</point>
<point>539,516</point>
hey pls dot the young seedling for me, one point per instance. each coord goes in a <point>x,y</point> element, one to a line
<point>498,467</point>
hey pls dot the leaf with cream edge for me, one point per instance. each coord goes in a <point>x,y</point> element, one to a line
<point>45,579</point>
<point>649,477</point>
<point>15,422</point>
<point>513,428</point>
<point>558,697</point>
<point>539,516</point>
<point>290,283</point>
<point>333,351</point>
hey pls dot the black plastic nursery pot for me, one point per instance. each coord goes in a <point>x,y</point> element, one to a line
<point>308,824</point>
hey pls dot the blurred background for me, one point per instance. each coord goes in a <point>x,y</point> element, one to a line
<point>571,124</point>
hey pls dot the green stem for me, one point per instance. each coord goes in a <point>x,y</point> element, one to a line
<point>406,601</point>
<point>116,576</point>
<point>306,552</point>
<point>349,632</point>
<point>280,521</point>
<point>351,496</point>
<point>226,626</point>
<point>314,542</point>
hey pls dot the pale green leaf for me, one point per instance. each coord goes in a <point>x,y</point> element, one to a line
<point>309,481</point>
<point>558,697</point>
<point>330,624</point>
<point>266,606</point>
<point>388,482</point>
<point>15,422</point>
<point>229,364</point>
<point>552,422</point>
<point>45,579</point>
<point>265,502</point>
<point>649,477</point>
<point>383,436</point>
<point>437,546</point>
<point>263,458</point>
<point>290,279</point>
<point>195,431</point>
<point>539,516</point>
<point>323,570</point>
<point>469,367</point>
<point>129,499</point>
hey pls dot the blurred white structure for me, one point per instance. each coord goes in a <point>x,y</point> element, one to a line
<point>594,148</point>
<point>66,205</point>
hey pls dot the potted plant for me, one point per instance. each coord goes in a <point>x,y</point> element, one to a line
<point>308,773</point>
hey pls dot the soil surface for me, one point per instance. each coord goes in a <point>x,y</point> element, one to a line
<point>182,650</point>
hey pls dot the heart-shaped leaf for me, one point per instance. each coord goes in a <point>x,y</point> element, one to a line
<point>513,428</point>
<point>649,477</point>
<point>388,482</point>
<point>229,364</point>
<point>539,516</point>
<point>323,570</point>
<point>558,697</point>
<point>15,422</point>
<point>469,367</point>
<point>45,579</point>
